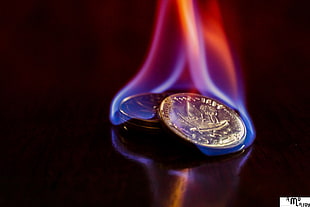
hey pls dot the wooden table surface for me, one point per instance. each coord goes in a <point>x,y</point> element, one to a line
<point>63,61</point>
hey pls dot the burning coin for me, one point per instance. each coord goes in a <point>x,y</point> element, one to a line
<point>141,110</point>
<point>202,120</point>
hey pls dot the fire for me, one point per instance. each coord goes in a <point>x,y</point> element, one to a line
<point>216,40</point>
<point>189,51</point>
<point>203,34</point>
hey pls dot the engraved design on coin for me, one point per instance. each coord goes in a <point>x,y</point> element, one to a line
<point>202,120</point>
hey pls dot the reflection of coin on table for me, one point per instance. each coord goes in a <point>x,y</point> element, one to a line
<point>202,120</point>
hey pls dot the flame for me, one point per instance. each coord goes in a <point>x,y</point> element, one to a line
<point>208,34</point>
<point>216,39</point>
<point>189,51</point>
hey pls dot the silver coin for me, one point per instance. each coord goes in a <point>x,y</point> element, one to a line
<point>141,109</point>
<point>202,120</point>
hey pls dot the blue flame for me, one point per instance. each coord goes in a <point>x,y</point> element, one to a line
<point>173,63</point>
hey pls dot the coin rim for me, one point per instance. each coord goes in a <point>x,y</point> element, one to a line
<point>183,136</point>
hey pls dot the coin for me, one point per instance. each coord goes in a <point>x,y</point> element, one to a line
<point>203,121</point>
<point>141,110</point>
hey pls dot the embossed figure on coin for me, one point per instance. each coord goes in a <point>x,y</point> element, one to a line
<point>210,112</point>
<point>202,120</point>
<point>205,118</point>
<point>210,122</point>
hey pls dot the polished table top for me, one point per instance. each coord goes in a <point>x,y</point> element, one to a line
<point>63,61</point>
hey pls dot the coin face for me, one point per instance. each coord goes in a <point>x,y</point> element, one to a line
<point>141,109</point>
<point>202,120</point>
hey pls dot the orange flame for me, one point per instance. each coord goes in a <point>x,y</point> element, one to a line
<point>186,12</point>
<point>190,51</point>
<point>214,37</point>
<point>216,40</point>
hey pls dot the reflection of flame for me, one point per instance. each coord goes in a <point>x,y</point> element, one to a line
<point>211,183</point>
<point>190,52</point>
<point>179,189</point>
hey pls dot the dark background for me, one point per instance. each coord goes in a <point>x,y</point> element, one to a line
<point>61,63</point>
